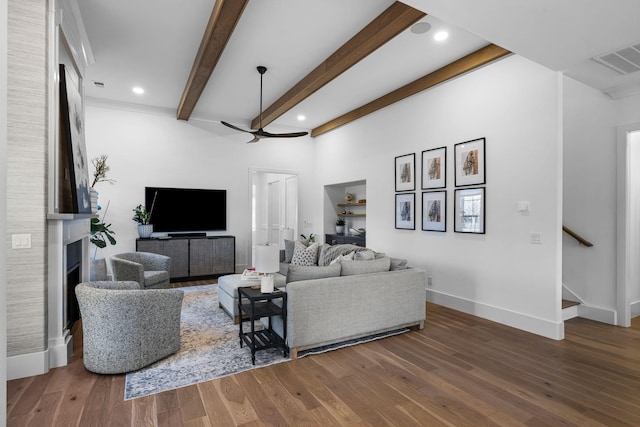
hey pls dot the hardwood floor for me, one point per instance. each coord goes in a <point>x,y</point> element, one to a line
<point>459,371</point>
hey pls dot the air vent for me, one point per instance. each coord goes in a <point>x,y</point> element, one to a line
<point>624,61</point>
<point>98,84</point>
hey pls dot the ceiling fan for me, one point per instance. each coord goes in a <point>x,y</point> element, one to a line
<point>260,133</point>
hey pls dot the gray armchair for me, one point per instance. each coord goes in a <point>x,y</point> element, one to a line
<point>150,270</point>
<point>125,328</point>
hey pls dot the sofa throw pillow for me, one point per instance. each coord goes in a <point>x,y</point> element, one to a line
<point>348,256</point>
<point>364,255</point>
<point>288,250</point>
<point>398,264</point>
<point>305,255</point>
<point>351,268</point>
<point>303,272</point>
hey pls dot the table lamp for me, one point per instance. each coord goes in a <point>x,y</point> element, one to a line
<point>267,262</point>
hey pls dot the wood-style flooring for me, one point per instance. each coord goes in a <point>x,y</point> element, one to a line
<point>459,371</point>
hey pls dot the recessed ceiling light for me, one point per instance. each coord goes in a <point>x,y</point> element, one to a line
<point>138,90</point>
<point>441,35</point>
<point>301,117</point>
<point>420,28</point>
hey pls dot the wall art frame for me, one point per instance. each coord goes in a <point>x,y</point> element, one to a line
<point>405,172</point>
<point>469,210</point>
<point>72,133</point>
<point>434,211</point>
<point>470,162</point>
<point>406,211</point>
<point>434,168</point>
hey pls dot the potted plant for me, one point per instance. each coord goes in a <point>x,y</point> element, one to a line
<point>142,217</point>
<point>340,226</point>
<point>101,235</point>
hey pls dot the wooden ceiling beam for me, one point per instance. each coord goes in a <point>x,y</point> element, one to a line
<point>463,65</point>
<point>395,19</point>
<point>223,20</point>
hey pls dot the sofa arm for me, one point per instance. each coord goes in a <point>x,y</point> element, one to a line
<point>125,270</point>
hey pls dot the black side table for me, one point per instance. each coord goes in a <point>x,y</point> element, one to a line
<point>256,306</point>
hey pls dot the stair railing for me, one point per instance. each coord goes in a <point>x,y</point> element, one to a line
<point>576,236</point>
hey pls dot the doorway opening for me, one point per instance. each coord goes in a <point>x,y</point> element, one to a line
<point>628,220</point>
<point>274,208</point>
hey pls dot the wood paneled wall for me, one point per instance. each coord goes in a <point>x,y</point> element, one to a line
<point>27,176</point>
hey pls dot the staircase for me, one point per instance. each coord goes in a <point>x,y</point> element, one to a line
<point>569,309</point>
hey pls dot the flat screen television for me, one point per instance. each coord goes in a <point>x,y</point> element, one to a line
<point>186,209</point>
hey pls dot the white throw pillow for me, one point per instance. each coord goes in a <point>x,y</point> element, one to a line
<point>305,255</point>
<point>348,256</point>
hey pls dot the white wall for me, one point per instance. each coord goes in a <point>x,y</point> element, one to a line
<point>590,121</point>
<point>515,104</point>
<point>149,147</point>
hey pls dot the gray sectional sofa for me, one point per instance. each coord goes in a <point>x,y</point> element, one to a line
<point>332,303</point>
<point>335,309</point>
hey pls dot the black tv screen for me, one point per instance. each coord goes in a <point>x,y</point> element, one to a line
<point>186,209</point>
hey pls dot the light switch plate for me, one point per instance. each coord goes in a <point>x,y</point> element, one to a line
<point>20,241</point>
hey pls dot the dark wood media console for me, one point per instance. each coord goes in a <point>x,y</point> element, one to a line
<point>194,257</point>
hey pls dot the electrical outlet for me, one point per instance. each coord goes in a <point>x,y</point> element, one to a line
<point>429,280</point>
<point>20,241</point>
<point>535,238</point>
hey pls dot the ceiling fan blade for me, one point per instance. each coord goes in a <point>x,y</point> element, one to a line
<point>282,135</point>
<point>255,139</point>
<point>235,127</point>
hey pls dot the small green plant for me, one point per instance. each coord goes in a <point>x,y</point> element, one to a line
<point>340,221</point>
<point>141,215</point>
<point>311,238</point>
<point>101,233</point>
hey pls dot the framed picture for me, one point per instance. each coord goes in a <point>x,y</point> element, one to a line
<point>434,209</point>
<point>470,162</point>
<point>469,210</point>
<point>405,172</point>
<point>72,132</point>
<point>406,211</point>
<point>434,168</point>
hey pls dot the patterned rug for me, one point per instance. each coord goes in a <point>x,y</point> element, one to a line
<point>209,348</point>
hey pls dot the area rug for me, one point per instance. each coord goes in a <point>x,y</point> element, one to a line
<point>209,348</point>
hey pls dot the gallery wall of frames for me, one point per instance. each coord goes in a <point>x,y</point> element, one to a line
<point>469,189</point>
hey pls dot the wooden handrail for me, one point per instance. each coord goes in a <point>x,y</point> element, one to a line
<point>576,236</point>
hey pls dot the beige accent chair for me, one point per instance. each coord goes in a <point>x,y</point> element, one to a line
<point>150,270</point>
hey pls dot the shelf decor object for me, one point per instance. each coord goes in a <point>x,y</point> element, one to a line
<point>470,210</point>
<point>405,167</point>
<point>434,208</point>
<point>267,261</point>
<point>406,211</point>
<point>470,162</point>
<point>434,168</point>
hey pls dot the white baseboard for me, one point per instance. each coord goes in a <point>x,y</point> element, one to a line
<point>546,328</point>
<point>27,365</point>
<point>599,314</point>
<point>635,309</point>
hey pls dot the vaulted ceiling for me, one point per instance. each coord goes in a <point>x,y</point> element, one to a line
<point>333,60</point>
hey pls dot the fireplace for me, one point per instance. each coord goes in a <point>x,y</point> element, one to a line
<point>68,266</point>
<point>74,263</point>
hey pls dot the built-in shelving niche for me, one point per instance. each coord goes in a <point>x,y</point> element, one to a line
<point>334,195</point>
